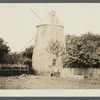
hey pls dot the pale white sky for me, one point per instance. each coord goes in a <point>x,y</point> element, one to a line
<point>18,23</point>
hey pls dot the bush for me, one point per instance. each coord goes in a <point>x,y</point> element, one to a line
<point>10,70</point>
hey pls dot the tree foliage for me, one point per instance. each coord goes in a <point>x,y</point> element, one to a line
<point>56,48</point>
<point>83,51</point>
<point>14,58</point>
<point>27,58</point>
<point>4,50</point>
<point>27,55</point>
<point>28,52</point>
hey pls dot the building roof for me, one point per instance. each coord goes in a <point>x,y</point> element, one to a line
<point>51,18</point>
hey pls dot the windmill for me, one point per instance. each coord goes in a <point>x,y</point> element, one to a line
<point>50,28</point>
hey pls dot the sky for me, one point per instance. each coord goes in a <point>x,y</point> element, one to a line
<point>18,23</point>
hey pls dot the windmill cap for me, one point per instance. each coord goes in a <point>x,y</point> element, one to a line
<point>50,19</point>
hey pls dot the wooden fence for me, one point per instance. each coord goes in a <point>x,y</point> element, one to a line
<point>11,70</point>
<point>90,73</point>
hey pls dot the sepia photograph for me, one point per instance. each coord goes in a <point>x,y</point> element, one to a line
<point>49,46</point>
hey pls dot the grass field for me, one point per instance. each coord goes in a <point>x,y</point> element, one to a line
<point>46,82</point>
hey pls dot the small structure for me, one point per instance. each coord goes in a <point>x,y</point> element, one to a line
<point>50,28</point>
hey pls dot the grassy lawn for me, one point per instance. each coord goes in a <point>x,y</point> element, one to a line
<point>46,82</point>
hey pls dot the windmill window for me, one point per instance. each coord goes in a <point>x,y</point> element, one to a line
<point>54,62</point>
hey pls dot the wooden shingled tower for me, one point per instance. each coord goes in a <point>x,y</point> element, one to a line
<point>50,28</point>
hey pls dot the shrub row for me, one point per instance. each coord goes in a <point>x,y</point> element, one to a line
<point>11,70</point>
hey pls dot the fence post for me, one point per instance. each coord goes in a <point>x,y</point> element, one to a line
<point>20,70</point>
<point>12,71</point>
<point>99,70</point>
<point>0,69</point>
<point>27,70</point>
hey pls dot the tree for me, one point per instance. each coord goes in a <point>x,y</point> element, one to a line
<point>4,50</point>
<point>28,52</point>
<point>27,58</point>
<point>70,58</point>
<point>56,48</point>
<point>88,48</point>
<point>84,51</point>
<point>14,58</point>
